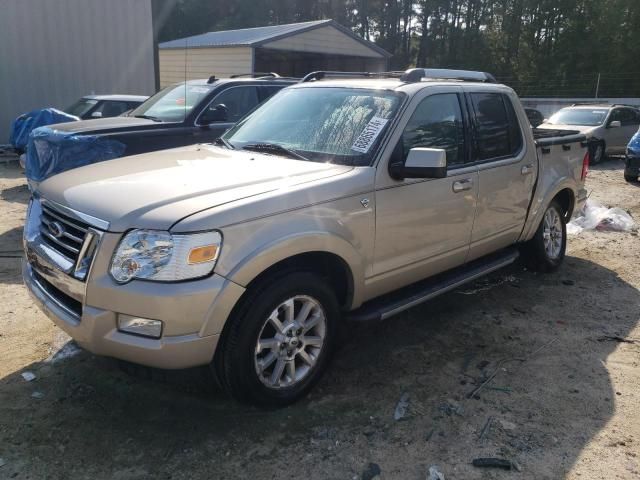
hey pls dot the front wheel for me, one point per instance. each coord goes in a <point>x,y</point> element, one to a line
<point>546,250</point>
<point>598,152</point>
<point>279,341</point>
<point>630,178</point>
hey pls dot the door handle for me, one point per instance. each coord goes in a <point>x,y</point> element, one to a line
<point>527,169</point>
<point>462,185</point>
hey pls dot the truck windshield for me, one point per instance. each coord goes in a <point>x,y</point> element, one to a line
<point>173,103</point>
<point>81,107</point>
<point>323,124</point>
<point>579,116</point>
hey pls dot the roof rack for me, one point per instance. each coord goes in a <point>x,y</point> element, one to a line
<point>412,75</point>
<point>256,75</point>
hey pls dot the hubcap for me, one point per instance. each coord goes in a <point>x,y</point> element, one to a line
<point>598,154</point>
<point>290,342</point>
<point>552,233</point>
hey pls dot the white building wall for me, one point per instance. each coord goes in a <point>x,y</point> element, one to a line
<point>54,51</point>
<point>203,62</point>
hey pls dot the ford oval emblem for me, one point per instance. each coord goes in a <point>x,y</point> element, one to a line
<point>55,229</point>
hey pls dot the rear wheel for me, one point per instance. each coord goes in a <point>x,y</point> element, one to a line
<point>279,342</point>
<point>546,250</point>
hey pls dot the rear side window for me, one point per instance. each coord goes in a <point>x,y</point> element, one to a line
<point>497,129</point>
<point>437,123</point>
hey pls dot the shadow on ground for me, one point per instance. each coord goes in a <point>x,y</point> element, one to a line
<point>94,421</point>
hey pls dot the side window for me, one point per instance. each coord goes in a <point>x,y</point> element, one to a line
<point>498,133</point>
<point>628,117</point>
<point>110,108</point>
<point>437,123</point>
<point>238,100</point>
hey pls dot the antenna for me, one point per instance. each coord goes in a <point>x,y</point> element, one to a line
<point>186,47</point>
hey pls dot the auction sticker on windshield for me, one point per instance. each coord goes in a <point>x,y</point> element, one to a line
<point>368,136</point>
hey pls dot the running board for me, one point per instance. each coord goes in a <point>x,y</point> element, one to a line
<point>398,301</point>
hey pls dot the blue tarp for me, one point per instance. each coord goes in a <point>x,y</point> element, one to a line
<point>22,126</point>
<point>51,151</point>
<point>634,145</point>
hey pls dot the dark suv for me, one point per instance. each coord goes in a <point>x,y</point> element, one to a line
<point>196,111</point>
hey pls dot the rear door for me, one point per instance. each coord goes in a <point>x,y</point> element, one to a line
<point>423,226</point>
<point>506,170</point>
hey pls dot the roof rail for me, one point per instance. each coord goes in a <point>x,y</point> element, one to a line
<point>412,75</point>
<point>417,74</point>
<point>319,75</point>
<point>592,102</point>
<point>256,75</point>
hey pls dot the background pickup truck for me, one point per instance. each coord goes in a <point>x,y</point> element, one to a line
<point>349,198</point>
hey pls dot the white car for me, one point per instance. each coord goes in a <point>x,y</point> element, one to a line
<point>608,127</point>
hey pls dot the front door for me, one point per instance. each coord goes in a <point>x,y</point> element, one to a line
<point>423,226</point>
<point>507,172</point>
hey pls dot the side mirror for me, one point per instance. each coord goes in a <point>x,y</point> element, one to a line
<point>96,114</point>
<point>421,163</point>
<point>219,113</point>
<point>615,124</point>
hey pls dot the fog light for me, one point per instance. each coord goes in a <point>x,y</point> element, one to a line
<point>140,326</point>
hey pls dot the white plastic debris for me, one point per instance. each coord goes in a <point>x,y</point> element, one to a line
<point>28,376</point>
<point>435,473</point>
<point>37,395</point>
<point>402,407</point>
<point>597,217</point>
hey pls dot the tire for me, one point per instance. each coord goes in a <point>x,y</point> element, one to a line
<point>630,178</point>
<point>546,250</point>
<point>598,152</point>
<point>263,375</point>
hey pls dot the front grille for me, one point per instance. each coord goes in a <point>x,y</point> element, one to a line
<point>71,305</point>
<point>63,234</point>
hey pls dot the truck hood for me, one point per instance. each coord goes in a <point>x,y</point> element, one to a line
<point>106,125</point>
<point>155,190</point>
<point>583,129</point>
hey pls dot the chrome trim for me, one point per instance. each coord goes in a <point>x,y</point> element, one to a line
<point>87,253</point>
<point>52,212</point>
<point>83,217</point>
<point>59,242</point>
<point>47,222</point>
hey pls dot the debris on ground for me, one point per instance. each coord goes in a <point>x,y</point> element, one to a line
<point>493,463</point>
<point>2,462</point>
<point>486,428</point>
<point>372,471</point>
<point>435,473</point>
<point>37,395</point>
<point>402,407</point>
<point>594,216</point>
<point>485,284</point>
<point>28,376</point>
<point>451,408</point>
<point>62,347</point>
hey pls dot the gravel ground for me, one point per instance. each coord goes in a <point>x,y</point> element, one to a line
<point>564,401</point>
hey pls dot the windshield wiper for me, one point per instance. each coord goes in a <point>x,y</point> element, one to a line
<point>148,117</point>
<point>224,143</point>
<point>273,148</point>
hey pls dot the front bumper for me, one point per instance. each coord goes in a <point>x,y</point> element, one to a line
<point>193,312</point>
<point>96,331</point>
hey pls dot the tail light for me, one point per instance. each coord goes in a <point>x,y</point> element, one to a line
<point>585,165</point>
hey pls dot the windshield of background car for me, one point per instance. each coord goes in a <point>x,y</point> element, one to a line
<point>173,103</point>
<point>580,116</point>
<point>81,107</point>
<point>324,124</point>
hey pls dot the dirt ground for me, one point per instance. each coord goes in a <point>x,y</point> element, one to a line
<point>564,403</point>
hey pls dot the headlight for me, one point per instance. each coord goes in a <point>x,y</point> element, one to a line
<point>165,257</point>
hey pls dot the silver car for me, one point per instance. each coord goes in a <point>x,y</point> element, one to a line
<point>608,127</point>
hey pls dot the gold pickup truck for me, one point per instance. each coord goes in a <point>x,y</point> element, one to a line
<point>346,197</point>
